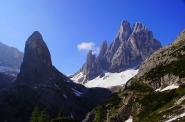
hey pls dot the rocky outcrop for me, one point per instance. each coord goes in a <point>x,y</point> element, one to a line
<point>165,66</point>
<point>131,46</point>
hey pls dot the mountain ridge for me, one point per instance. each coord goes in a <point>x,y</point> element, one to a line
<point>131,46</point>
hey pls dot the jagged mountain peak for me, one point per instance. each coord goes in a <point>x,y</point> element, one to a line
<point>138,26</point>
<point>128,50</point>
<point>125,24</point>
<point>90,57</point>
<point>103,48</point>
<point>124,31</point>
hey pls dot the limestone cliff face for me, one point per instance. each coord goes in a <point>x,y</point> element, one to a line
<point>131,46</point>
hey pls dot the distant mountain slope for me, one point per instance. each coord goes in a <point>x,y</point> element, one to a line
<point>155,94</point>
<point>10,62</point>
<point>131,46</point>
<point>10,56</point>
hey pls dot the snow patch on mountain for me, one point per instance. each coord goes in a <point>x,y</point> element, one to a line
<point>176,117</point>
<point>129,120</point>
<point>170,87</point>
<point>112,79</point>
<point>78,78</point>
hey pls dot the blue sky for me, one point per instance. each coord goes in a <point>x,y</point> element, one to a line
<point>65,24</point>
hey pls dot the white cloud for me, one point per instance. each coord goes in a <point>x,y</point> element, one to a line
<point>86,46</point>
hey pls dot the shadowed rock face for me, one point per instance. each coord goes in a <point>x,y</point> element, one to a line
<point>52,89</point>
<point>131,46</point>
<point>37,65</point>
<point>36,50</point>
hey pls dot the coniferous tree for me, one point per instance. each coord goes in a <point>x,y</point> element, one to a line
<point>43,116</point>
<point>61,118</point>
<point>35,115</point>
<point>99,114</point>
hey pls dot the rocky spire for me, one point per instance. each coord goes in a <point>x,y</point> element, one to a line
<point>36,50</point>
<point>139,27</point>
<point>49,86</point>
<point>92,66</point>
<point>89,61</point>
<point>103,48</point>
<point>121,37</point>
<point>124,31</point>
<point>102,55</point>
<point>37,65</point>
